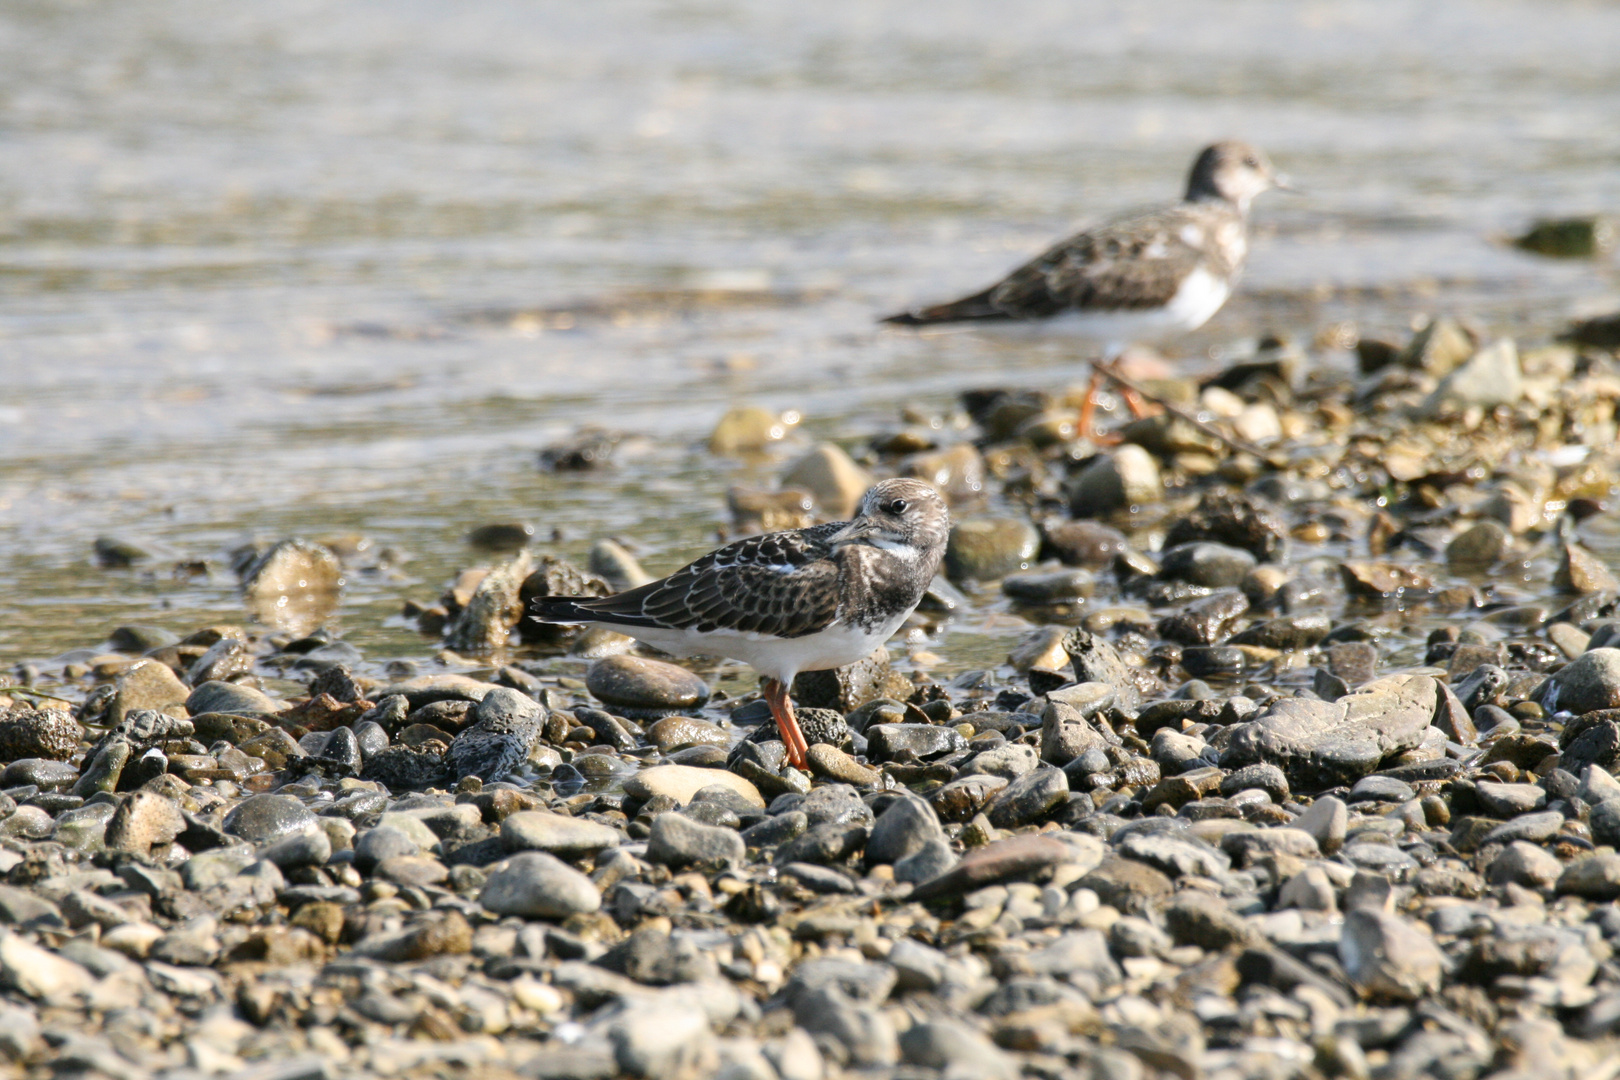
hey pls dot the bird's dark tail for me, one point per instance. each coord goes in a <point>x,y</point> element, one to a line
<point>560,609</point>
<point>977,306</point>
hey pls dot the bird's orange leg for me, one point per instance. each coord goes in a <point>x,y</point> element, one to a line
<point>776,696</point>
<point>1133,400</point>
<point>1088,407</point>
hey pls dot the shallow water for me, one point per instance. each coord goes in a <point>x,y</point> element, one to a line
<point>316,269</point>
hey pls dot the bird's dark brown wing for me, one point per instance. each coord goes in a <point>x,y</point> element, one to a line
<point>1128,265</point>
<point>784,584</point>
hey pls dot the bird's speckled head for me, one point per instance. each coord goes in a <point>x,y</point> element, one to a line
<point>901,512</point>
<point>1233,171</point>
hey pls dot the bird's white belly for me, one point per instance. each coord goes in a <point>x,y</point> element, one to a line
<point>1200,296</point>
<point>778,658</point>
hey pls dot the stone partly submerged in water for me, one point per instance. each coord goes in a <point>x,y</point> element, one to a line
<point>1572,237</point>
<point>293,586</point>
<point>493,610</point>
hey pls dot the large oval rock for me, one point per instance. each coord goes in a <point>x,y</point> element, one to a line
<point>535,885</point>
<point>675,732</point>
<point>638,687</point>
<point>984,549</point>
<point>832,476</point>
<point>925,740</point>
<point>1322,744</point>
<point>1590,682</point>
<point>233,698</point>
<point>681,782</point>
<point>38,733</point>
<point>558,834</point>
<point>263,818</point>
<point>1127,477</point>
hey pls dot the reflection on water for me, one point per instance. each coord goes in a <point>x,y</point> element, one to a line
<point>319,269</point>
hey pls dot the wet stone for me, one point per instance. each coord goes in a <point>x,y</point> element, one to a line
<point>1204,621</point>
<point>1127,477</point>
<point>231,698</point>
<point>639,687</point>
<point>1095,660</point>
<point>675,732</point>
<point>1356,662</point>
<point>1583,573</point>
<point>1050,587</point>
<point>1287,633</point>
<point>986,549</point>
<point>885,741</point>
<point>1477,547</point>
<point>43,773</point>
<point>960,799</point>
<point>1236,520</point>
<point>834,764</point>
<point>832,476</point>
<point>1213,661</point>
<point>1211,565</point>
<point>1590,682</point>
<point>844,689</point>
<point>1029,798</point>
<point>263,818</point>
<point>1084,543</point>
<point>407,768</point>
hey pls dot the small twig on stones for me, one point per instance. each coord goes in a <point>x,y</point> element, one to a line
<point>29,691</point>
<point>1178,412</point>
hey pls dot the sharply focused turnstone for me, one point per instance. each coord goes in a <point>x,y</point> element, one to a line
<point>1137,277</point>
<point>786,602</point>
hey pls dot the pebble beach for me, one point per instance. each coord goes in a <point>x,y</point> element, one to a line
<point>1304,765</point>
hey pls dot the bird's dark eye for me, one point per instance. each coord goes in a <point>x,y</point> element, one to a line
<point>896,506</point>
<point>1252,162</point>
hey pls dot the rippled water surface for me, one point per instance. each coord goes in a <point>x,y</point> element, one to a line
<point>316,268</point>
